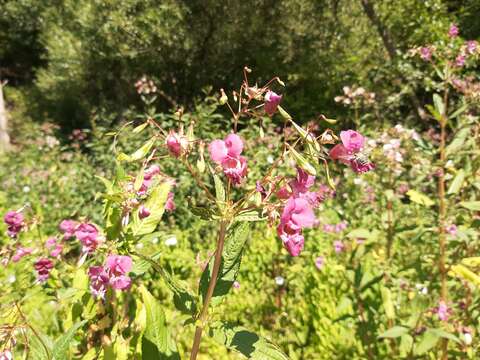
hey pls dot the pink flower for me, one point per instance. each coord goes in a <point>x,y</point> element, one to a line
<point>283,193</point>
<point>272,100</point>
<point>148,176</point>
<point>43,267</point>
<point>451,229</point>
<point>294,244</point>
<point>338,246</point>
<point>227,153</point>
<point>177,144</point>
<point>352,141</point>
<point>67,227</point>
<point>6,355</point>
<point>117,266</point>
<point>443,311</point>
<point>319,262</point>
<point>14,221</point>
<point>170,204</point>
<point>51,242</point>
<point>297,214</point>
<point>426,53</point>
<point>303,182</point>
<point>453,31</point>
<point>340,227</point>
<point>57,250</point>
<point>20,253</point>
<point>99,281</point>
<point>88,236</point>
<point>349,152</point>
<point>471,47</point>
<point>460,60</point>
<point>330,228</point>
<point>143,212</point>
<point>236,285</point>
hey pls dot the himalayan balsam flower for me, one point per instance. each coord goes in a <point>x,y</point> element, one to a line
<point>349,152</point>
<point>227,154</point>
<point>170,204</point>
<point>99,281</point>
<point>43,267</point>
<point>471,47</point>
<point>14,221</point>
<point>177,144</point>
<point>57,250</point>
<point>319,262</point>
<point>452,230</point>
<point>6,355</point>
<point>426,53</point>
<point>236,285</point>
<point>453,31</point>
<point>148,179</point>
<point>460,60</point>
<point>20,253</point>
<point>67,227</point>
<point>272,100</point>
<point>443,311</point>
<point>117,267</point>
<point>88,236</point>
<point>338,246</point>
<point>143,212</point>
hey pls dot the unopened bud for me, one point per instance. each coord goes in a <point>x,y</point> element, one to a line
<point>223,98</point>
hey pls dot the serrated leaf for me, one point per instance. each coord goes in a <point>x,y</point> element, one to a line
<point>247,343</point>
<point>235,241</point>
<point>471,205</point>
<point>62,344</point>
<point>156,340</point>
<point>156,205</point>
<point>457,182</point>
<point>419,198</point>
<point>394,332</point>
<point>219,189</point>
<point>252,215</point>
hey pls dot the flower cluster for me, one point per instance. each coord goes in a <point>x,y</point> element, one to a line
<point>355,95</point>
<point>227,154</point>
<point>145,86</point>
<point>113,274</point>
<point>43,267</point>
<point>350,153</point>
<point>14,221</point>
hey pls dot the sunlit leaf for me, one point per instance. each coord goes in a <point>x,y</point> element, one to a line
<point>419,198</point>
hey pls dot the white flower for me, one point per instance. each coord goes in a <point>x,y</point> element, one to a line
<point>11,279</point>
<point>171,241</point>
<point>26,189</point>
<point>155,240</point>
<point>139,246</point>
<point>358,181</point>
<point>270,159</point>
<point>279,280</point>
<point>467,338</point>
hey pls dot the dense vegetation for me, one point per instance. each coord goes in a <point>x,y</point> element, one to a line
<point>115,107</point>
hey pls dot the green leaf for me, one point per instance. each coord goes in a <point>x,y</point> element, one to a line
<point>359,233</point>
<point>419,198</point>
<point>219,189</point>
<point>235,240</point>
<point>156,340</point>
<point>471,205</point>
<point>458,141</point>
<point>247,343</point>
<point>302,162</point>
<point>429,340</point>
<point>156,205</point>
<point>388,303</point>
<point>446,335</point>
<point>457,182</point>
<point>394,332</point>
<point>252,215</point>
<point>438,102</point>
<point>139,154</point>
<point>61,346</point>
<point>140,128</point>
<point>139,180</point>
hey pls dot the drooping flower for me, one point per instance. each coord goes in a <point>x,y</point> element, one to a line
<point>67,227</point>
<point>272,100</point>
<point>117,267</point>
<point>320,262</point>
<point>170,204</point>
<point>88,236</point>
<point>349,152</point>
<point>43,267</point>
<point>143,212</point>
<point>20,253</point>
<point>338,246</point>
<point>453,31</point>
<point>14,221</point>
<point>99,281</point>
<point>148,178</point>
<point>227,154</point>
<point>426,53</point>
<point>177,144</point>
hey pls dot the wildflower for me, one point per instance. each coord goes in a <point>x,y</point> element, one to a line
<point>329,228</point>
<point>148,176</point>
<point>452,230</point>
<point>460,60</point>
<point>471,47</point>
<point>57,250</point>
<point>143,212</point>
<point>170,204</point>
<point>117,267</point>
<point>20,253</point>
<point>67,227</point>
<point>426,53</point>
<point>99,281</point>
<point>443,311</point>
<point>279,280</point>
<point>272,100</point>
<point>14,221</point>
<point>341,226</point>
<point>338,246</point>
<point>43,267</point>
<point>6,355</point>
<point>177,144</point>
<point>227,154</point>
<point>319,262</point>
<point>88,236</point>
<point>453,31</point>
<point>236,285</point>
<point>349,152</point>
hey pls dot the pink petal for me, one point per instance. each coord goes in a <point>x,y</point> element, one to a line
<point>234,145</point>
<point>218,150</point>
